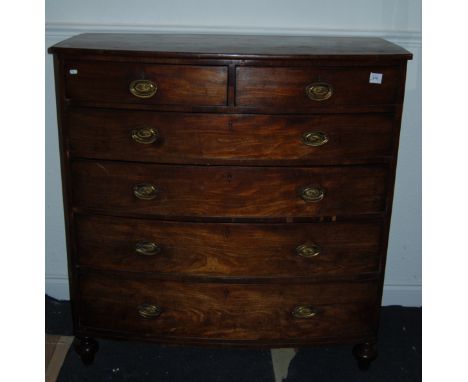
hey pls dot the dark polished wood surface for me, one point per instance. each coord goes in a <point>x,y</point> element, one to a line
<point>227,311</point>
<point>284,87</point>
<point>177,85</point>
<point>186,138</point>
<point>229,250</point>
<point>225,191</point>
<point>222,140</point>
<point>234,46</point>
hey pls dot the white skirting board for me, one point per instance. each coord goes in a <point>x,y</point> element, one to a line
<point>405,295</point>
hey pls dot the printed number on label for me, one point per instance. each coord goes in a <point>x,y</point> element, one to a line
<point>375,78</point>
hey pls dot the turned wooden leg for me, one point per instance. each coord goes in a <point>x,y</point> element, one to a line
<point>365,353</point>
<point>86,347</point>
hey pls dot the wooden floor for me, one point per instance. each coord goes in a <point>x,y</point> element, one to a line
<point>56,348</point>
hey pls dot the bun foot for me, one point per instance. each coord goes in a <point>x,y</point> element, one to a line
<point>365,353</point>
<point>86,348</point>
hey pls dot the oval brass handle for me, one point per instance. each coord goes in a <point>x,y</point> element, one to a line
<point>147,248</point>
<point>319,91</point>
<point>312,193</point>
<point>314,138</point>
<point>145,135</point>
<point>308,250</point>
<point>145,191</point>
<point>149,310</point>
<point>143,88</point>
<point>304,311</point>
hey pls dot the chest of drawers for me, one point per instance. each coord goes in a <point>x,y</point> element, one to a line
<point>228,190</point>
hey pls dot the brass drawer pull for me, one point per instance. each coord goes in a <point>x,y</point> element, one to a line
<point>145,191</point>
<point>143,88</point>
<point>308,250</point>
<point>314,138</point>
<point>147,248</point>
<point>145,135</point>
<point>319,91</point>
<point>312,193</point>
<point>149,310</point>
<point>304,311</point>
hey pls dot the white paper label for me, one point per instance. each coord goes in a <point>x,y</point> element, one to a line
<point>375,78</point>
<point>73,71</point>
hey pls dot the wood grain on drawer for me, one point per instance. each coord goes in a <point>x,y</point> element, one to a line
<point>228,250</point>
<point>225,139</point>
<point>281,87</point>
<point>220,191</point>
<point>226,311</point>
<point>176,84</point>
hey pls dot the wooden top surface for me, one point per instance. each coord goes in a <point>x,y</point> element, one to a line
<point>229,46</point>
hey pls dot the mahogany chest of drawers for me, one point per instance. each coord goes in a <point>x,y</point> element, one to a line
<point>228,190</point>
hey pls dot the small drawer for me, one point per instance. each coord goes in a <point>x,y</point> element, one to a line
<point>223,191</point>
<point>322,250</point>
<point>305,88</point>
<point>229,139</point>
<point>146,83</point>
<point>238,312</point>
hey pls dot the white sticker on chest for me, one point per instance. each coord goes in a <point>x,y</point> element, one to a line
<point>375,78</point>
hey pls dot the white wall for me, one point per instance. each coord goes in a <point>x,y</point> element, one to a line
<point>399,21</point>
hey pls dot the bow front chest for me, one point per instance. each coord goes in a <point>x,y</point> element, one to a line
<point>229,190</point>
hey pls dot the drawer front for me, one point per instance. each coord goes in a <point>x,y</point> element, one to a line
<point>210,138</point>
<point>315,87</point>
<point>229,250</point>
<point>162,309</point>
<point>171,84</point>
<point>228,191</point>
